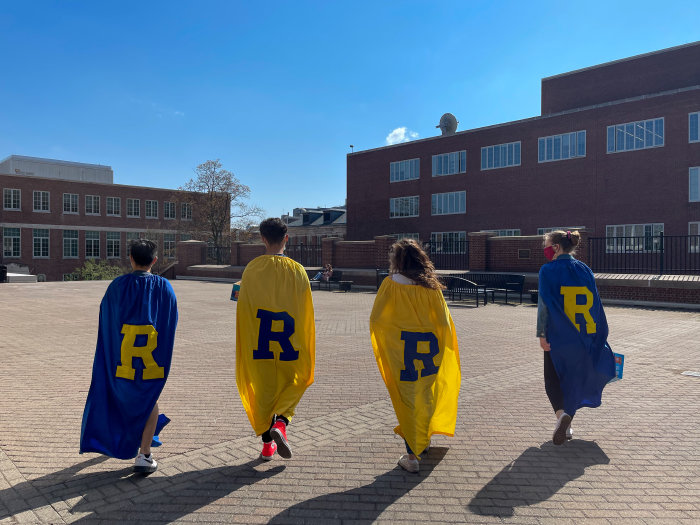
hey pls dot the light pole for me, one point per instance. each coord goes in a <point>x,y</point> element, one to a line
<point>352,148</point>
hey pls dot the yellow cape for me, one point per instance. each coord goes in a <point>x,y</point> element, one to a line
<point>275,338</point>
<point>415,345</point>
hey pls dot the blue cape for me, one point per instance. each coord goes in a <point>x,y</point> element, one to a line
<point>582,358</point>
<point>138,317</point>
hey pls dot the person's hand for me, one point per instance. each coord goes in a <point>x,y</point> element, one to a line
<point>544,344</point>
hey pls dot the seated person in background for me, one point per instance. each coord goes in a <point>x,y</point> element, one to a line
<point>327,272</point>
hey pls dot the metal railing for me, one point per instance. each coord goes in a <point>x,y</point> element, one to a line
<point>220,255</point>
<point>304,254</point>
<point>449,255</point>
<point>652,254</point>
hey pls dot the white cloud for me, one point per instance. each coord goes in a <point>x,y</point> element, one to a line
<point>399,135</point>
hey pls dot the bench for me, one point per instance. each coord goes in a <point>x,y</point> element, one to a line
<point>457,287</point>
<point>336,277</point>
<point>497,282</point>
<point>381,275</point>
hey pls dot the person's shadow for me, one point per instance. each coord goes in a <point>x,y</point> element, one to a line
<point>122,496</point>
<point>362,504</point>
<point>536,476</point>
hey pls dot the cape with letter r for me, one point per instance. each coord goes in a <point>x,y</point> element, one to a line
<point>416,349</point>
<point>577,332</point>
<point>138,318</point>
<point>275,338</point>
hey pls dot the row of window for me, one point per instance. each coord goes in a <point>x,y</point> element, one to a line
<point>113,205</point>
<point>629,136</point>
<point>12,247</point>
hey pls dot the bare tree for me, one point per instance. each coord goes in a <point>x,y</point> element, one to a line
<point>218,197</point>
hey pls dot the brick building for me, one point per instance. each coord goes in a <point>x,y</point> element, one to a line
<point>57,214</point>
<point>310,225</point>
<point>616,150</point>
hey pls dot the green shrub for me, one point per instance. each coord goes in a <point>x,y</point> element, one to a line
<point>99,271</point>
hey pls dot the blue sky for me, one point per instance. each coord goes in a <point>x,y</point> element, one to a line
<point>279,90</point>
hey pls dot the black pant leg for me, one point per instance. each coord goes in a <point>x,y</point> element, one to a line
<point>551,383</point>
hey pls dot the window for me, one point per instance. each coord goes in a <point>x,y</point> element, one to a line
<point>504,233</point>
<point>92,204</point>
<point>542,231</point>
<point>561,147</point>
<point>636,135</point>
<point>500,156</point>
<point>448,242</point>
<point>694,237</point>
<point>168,210</point>
<point>70,203</point>
<point>450,163</point>
<point>694,127</point>
<point>113,245</point>
<point>11,242</point>
<point>449,203</point>
<point>403,207</point>
<point>41,201</point>
<point>185,236</point>
<point>92,245</point>
<point>132,236</point>
<point>404,170</point>
<point>414,236</point>
<point>151,209</point>
<point>186,211</point>
<point>169,245</point>
<point>70,244</point>
<point>114,206</point>
<point>694,184</point>
<point>633,237</point>
<point>11,199</point>
<point>41,243</point>
<point>133,207</point>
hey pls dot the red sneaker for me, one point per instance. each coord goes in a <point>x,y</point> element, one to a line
<point>279,434</point>
<point>268,451</point>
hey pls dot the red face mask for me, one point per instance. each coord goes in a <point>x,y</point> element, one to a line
<point>549,253</point>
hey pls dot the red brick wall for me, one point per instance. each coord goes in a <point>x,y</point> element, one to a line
<point>664,295</point>
<point>248,252</point>
<point>503,253</point>
<point>357,254</point>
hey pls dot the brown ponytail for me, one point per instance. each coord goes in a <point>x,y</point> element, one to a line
<point>410,260</point>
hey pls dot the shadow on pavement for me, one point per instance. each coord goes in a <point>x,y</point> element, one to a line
<point>363,504</point>
<point>122,496</point>
<point>536,476</point>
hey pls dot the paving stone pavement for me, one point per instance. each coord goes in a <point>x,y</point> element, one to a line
<point>635,460</point>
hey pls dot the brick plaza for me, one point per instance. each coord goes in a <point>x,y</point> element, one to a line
<point>634,460</point>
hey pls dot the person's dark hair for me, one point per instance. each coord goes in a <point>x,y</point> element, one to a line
<point>410,260</point>
<point>143,251</point>
<point>273,229</point>
<point>568,240</point>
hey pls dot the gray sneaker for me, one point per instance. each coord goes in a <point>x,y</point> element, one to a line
<point>569,433</point>
<point>145,464</point>
<point>406,463</point>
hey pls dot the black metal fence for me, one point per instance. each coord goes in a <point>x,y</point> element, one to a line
<point>652,254</point>
<point>304,254</point>
<point>449,255</point>
<point>220,255</point>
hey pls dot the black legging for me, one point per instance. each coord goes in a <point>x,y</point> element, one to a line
<point>551,383</point>
<point>266,437</point>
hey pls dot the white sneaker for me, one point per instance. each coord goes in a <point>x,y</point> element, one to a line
<point>406,463</point>
<point>569,433</point>
<point>563,423</point>
<point>145,464</point>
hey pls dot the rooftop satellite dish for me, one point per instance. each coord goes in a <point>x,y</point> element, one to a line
<point>448,124</point>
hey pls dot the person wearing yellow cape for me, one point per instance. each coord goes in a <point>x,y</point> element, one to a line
<point>415,345</point>
<point>275,339</point>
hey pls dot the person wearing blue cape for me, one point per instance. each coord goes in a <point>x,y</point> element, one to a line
<point>573,332</point>
<point>138,317</point>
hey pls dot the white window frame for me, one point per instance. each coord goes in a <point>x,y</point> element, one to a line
<point>412,202</point>
<point>635,133</point>
<point>169,245</point>
<point>632,234</point>
<point>114,240</point>
<point>90,240</point>
<point>448,203</point>
<point>505,232</point>
<point>73,199</point>
<point>42,242</point>
<point>497,156</point>
<point>113,201</point>
<point>414,236</point>
<point>13,192</point>
<point>15,244</point>
<point>450,163</point>
<point>44,201</point>
<point>169,210</point>
<point>553,147</point>
<point>694,126</point>
<point>403,170</point>
<point>694,237</point>
<point>151,203</point>
<point>71,243</point>
<point>694,184</point>
<point>92,199</point>
<point>186,211</point>
<point>130,208</point>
